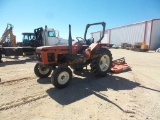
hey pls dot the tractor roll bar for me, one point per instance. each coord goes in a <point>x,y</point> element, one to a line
<point>99,23</point>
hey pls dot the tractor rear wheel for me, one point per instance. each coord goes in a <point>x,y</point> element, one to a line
<point>42,72</point>
<point>101,62</point>
<point>61,77</point>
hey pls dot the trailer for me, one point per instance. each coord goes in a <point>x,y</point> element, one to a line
<point>146,31</point>
<point>8,45</point>
<point>41,37</point>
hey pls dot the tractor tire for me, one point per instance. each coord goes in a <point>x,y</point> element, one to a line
<point>42,72</point>
<point>101,62</point>
<point>61,77</point>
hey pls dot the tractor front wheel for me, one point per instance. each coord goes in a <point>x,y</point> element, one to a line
<point>42,72</point>
<point>61,77</point>
<point>101,62</point>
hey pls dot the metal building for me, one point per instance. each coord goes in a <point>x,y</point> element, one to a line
<point>147,31</point>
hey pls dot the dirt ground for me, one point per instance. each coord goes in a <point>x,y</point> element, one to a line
<point>131,95</point>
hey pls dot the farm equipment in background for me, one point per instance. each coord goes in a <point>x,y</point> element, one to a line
<point>46,37</point>
<point>43,37</point>
<point>157,50</point>
<point>140,47</point>
<point>26,38</point>
<point>8,39</point>
<point>8,45</point>
<point>76,55</point>
<point>40,37</point>
<point>126,46</point>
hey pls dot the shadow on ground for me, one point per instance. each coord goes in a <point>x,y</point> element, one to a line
<point>84,87</point>
<point>87,84</point>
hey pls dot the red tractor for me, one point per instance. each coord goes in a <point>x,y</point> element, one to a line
<point>76,55</point>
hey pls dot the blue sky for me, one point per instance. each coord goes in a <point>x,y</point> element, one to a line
<point>26,15</point>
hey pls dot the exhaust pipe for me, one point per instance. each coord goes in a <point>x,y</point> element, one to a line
<point>70,40</point>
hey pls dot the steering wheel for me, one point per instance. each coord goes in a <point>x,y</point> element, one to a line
<point>80,39</point>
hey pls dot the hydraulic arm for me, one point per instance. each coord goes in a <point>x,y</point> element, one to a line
<point>7,32</point>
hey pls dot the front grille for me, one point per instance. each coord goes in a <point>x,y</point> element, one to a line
<point>39,57</point>
<point>51,57</point>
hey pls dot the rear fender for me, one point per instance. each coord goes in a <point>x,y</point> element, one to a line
<point>94,46</point>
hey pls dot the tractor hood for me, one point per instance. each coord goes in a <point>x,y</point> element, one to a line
<point>46,48</point>
<point>75,47</point>
<point>59,47</point>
